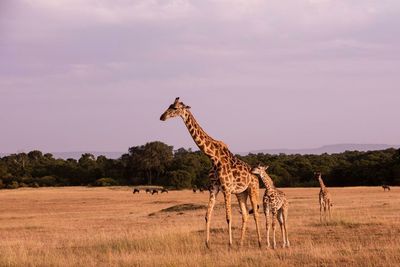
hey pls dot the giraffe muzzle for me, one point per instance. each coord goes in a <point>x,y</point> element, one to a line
<point>163,117</point>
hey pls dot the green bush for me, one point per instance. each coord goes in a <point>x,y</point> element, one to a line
<point>180,179</point>
<point>13,185</point>
<point>47,181</point>
<point>105,182</point>
<point>27,180</point>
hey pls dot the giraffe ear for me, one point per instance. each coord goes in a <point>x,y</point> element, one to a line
<point>266,167</point>
<point>188,107</point>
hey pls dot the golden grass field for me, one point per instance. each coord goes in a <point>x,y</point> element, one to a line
<point>79,226</point>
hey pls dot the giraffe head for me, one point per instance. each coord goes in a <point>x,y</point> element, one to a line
<point>259,170</point>
<point>174,110</point>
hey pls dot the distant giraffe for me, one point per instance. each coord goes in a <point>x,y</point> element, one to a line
<point>325,199</point>
<point>228,174</point>
<point>386,187</point>
<point>275,201</point>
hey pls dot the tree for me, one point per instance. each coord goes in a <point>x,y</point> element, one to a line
<point>152,159</point>
<point>88,168</point>
<point>180,179</point>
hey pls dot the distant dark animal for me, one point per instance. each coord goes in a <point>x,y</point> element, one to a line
<point>154,191</point>
<point>164,190</point>
<point>148,190</point>
<point>201,190</point>
<point>194,190</point>
<point>136,191</point>
<point>386,187</point>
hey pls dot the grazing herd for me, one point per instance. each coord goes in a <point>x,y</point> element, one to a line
<point>151,191</point>
<point>201,189</point>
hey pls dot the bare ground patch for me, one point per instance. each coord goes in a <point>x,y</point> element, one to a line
<point>180,208</point>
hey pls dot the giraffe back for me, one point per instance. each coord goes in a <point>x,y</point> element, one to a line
<point>274,199</point>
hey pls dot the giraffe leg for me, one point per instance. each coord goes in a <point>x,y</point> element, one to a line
<point>325,212</point>
<point>285,216</point>
<point>280,220</point>
<point>273,228</point>
<point>329,210</point>
<point>266,212</point>
<point>320,212</point>
<point>254,203</point>
<point>211,203</point>
<point>242,199</point>
<point>228,210</point>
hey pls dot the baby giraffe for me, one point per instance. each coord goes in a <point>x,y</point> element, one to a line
<point>275,201</point>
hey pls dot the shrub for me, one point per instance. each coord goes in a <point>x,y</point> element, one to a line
<point>181,179</point>
<point>105,182</point>
<point>13,185</point>
<point>47,181</point>
<point>27,180</point>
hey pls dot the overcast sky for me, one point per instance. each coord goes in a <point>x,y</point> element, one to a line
<point>97,74</point>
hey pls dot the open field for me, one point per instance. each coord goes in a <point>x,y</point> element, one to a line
<point>112,227</point>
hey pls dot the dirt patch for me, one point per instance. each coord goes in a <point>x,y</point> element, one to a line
<point>162,202</point>
<point>180,208</point>
<point>184,207</point>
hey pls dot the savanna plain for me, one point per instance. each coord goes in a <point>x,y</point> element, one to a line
<point>82,226</point>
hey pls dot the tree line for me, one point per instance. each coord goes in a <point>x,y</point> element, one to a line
<point>156,163</point>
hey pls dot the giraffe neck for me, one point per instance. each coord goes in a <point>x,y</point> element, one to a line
<point>269,184</point>
<point>211,147</point>
<point>321,182</point>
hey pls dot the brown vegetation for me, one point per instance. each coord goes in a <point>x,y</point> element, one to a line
<point>102,227</point>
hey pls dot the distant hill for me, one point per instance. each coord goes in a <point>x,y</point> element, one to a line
<point>78,154</point>
<point>330,149</point>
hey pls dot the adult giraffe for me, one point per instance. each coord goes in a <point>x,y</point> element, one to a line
<point>228,174</point>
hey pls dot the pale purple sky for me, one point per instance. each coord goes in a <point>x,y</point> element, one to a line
<point>97,74</point>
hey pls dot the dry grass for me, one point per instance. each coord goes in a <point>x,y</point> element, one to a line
<point>103,227</point>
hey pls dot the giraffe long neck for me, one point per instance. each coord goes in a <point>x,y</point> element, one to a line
<point>321,182</point>
<point>206,143</point>
<point>269,184</point>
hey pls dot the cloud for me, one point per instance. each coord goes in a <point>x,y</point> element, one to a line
<point>115,50</point>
